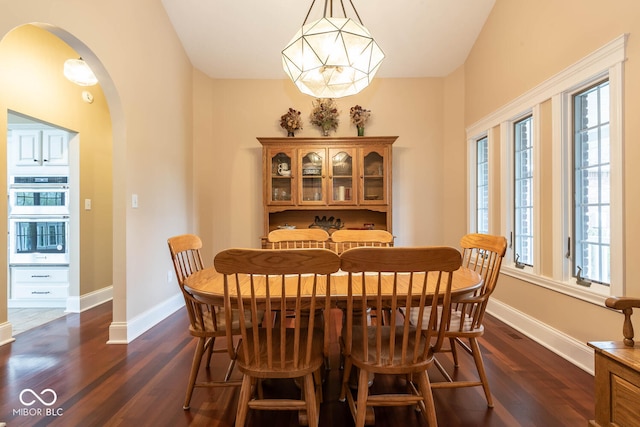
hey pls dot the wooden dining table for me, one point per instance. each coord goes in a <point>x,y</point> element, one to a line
<point>208,285</point>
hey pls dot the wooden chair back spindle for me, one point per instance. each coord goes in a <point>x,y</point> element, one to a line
<point>347,239</point>
<point>397,347</point>
<point>290,348</point>
<point>297,238</point>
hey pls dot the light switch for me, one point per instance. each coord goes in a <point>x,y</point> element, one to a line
<point>87,204</point>
<point>134,201</point>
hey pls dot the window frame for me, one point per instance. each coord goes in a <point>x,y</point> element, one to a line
<point>604,63</point>
<point>472,189</point>
<point>508,188</point>
<point>484,140</point>
<point>564,102</point>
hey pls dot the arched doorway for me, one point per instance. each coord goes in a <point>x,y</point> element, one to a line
<point>31,83</point>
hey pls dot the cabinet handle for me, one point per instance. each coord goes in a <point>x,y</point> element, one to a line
<point>40,292</point>
<point>45,160</point>
<point>40,276</point>
<point>35,160</point>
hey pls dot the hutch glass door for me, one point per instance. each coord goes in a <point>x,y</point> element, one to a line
<point>373,178</point>
<point>281,189</point>
<point>312,165</point>
<point>342,173</point>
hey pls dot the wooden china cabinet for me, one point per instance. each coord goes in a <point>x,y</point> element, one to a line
<point>340,182</point>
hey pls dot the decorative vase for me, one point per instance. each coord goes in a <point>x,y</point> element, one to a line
<point>290,133</point>
<point>325,131</point>
<point>360,130</point>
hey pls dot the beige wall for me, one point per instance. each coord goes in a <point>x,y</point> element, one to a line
<point>230,114</point>
<point>522,44</point>
<point>147,82</point>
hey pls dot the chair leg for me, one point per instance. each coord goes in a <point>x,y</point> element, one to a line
<point>346,374</point>
<point>477,357</point>
<point>209,346</point>
<point>427,396</point>
<point>310,399</point>
<point>454,352</point>
<point>195,367</point>
<point>232,363</point>
<point>443,371</point>
<point>243,401</point>
<point>317,377</point>
<point>363,395</point>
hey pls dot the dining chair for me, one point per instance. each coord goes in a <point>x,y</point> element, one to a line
<point>287,238</point>
<point>346,239</point>
<point>297,238</point>
<point>296,280</point>
<point>482,253</point>
<point>399,347</point>
<point>206,322</point>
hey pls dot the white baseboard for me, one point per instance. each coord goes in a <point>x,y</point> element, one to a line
<point>6,333</point>
<point>125,332</point>
<point>558,342</point>
<point>90,300</point>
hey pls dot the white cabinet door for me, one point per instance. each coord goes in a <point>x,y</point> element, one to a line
<point>55,147</point>
<point>26,147</point>
<point>40,147</point>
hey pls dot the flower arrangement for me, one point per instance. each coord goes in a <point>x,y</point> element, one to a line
<point>325,114</point>
<point>291,121</point>
<point>359,115</point>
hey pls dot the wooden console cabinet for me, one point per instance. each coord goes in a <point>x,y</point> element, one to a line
<point>343,181</point>
<point>617,384</point>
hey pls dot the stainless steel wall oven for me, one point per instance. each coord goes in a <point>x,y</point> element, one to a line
<point>38,220</point>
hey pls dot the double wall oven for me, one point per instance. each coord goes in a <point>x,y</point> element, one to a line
<point>38,220</point>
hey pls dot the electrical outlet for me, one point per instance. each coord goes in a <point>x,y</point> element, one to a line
<point>169,276</point>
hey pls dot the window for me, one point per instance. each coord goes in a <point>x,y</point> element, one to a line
<point>482,185</point>
<point>591,201</point>
<point>523,192</point>
<point>560,178</point>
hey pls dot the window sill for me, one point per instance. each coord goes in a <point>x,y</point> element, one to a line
<point>596,294</point>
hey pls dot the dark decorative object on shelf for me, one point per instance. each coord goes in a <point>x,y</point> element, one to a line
<point>359,116</point>
<point>325,115</point>
<point>291,121</point>
<point>326,224</point>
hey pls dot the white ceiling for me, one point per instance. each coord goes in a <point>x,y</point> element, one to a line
<point>243,38</point>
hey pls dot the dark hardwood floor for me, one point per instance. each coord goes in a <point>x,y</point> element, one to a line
<point>143,383</point>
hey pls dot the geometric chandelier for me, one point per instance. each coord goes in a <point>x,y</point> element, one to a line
<point>332,57</point>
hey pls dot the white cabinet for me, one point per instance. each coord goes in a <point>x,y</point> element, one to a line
<point>35,147</point>
<point>39,286</point>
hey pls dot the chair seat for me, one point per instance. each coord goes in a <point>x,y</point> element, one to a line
<point>459,325</point>
<point>221,324</point>
<point>278,370</point>
<point>462,326</point>
<point>384,365</point>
